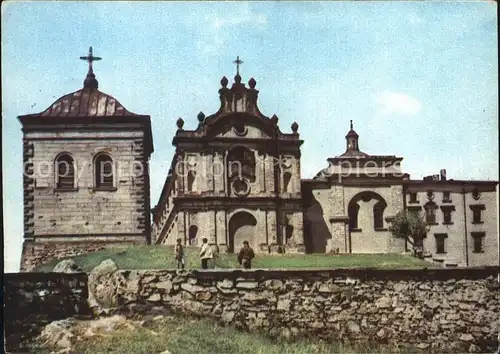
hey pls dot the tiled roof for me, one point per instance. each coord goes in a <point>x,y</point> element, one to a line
<point>87,102</point>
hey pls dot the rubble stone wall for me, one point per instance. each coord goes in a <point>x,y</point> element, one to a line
<point>442,309</point>
<point>33,300</point>
<point>453,310</point>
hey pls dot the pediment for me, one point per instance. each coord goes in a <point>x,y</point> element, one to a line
<point>241,126</point>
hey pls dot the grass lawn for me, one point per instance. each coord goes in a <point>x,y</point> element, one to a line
<point>162,257</point>
<point>184,335</point>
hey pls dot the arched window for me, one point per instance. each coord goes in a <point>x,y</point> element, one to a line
<point>65,172</point>
<point>103,171</point>
<point>378,209</point>
<point>190,180</point>
<point>378,215</point>
<point>287,176</point>
<point>241,163</point>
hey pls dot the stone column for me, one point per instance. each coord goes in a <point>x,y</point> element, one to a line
<point>219,170</point>
<point>296,178</point>
<point>260,237</point>
<point>181,227</point>
<point>269,171</point>
<point>271,227</point>
<point>296,243</point>
<point>221,225</point>
<point>261,170</point>
<point>209,219</point>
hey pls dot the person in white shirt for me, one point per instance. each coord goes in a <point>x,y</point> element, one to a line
<point>206,253</point>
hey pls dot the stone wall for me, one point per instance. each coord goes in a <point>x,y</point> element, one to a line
<point>454,310</point>
<point>86,209</point>
<point>32,300</point>
<point>443,309</point>
<point>66,222</point>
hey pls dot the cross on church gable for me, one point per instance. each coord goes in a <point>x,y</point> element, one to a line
<point>238,62</point>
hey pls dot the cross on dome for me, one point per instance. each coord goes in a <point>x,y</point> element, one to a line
<point>90,81</point>
<point>90,58</point>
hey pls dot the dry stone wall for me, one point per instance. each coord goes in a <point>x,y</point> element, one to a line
<point>439,310</point>
<point>33,300</point>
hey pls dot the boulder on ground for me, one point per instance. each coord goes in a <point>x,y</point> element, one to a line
<point>102,287</point>
<point>67,266</point>
<point>58,334</point>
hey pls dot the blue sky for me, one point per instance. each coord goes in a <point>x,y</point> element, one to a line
<point>419,79</point>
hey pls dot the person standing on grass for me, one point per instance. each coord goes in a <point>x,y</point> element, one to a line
<point>245,256</point>
<point>206,254</point>
<point>179,254</point>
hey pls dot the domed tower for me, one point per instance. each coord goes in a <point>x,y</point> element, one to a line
<point>235,177</point>
<point>86,175</point>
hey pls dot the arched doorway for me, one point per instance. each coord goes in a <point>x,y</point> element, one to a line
<point>242,227</point>
<point>192,233</point>
<point>366,223</point>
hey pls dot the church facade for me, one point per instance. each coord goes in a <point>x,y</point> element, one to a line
<point>235,177</point>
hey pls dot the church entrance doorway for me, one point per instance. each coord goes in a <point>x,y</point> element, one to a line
<point>242,227</point>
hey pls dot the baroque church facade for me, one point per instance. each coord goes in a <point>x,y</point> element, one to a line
<point>235,177</point>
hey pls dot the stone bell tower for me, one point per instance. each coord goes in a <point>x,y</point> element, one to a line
<point>86,175</point>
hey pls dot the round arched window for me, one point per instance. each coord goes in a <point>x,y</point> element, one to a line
<point>241,187</point>
<point>240,129</point>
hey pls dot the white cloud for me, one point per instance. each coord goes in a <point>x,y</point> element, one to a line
<point>397,102</point>
<point>219,27</point>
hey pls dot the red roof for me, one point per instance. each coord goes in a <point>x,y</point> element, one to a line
<point>87,102</point>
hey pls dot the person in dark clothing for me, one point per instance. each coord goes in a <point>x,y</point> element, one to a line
<point>245,256</point>
<point>179,254</point>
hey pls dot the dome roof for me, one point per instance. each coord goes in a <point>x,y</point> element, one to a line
<point>87,102</point>
<point>353,153</point>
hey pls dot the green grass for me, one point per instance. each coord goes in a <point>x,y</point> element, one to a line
<point>200,336</point>
<point>162,257</point>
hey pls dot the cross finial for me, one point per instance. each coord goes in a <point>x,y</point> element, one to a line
<point>90,58</point>
<point>238,62</point>
<point>351,124</point>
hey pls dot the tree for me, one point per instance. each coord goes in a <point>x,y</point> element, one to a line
<point>410,227</point>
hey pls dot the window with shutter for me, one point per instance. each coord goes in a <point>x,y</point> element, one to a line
<point>65,172</point>
<point>103,170</point>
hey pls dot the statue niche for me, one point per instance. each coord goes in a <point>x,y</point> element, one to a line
<point>241,170</point>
